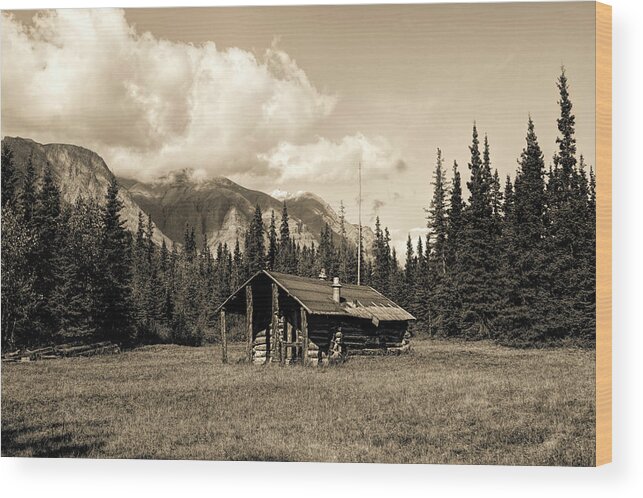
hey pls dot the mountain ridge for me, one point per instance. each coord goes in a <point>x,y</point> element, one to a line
<point>217,207</point>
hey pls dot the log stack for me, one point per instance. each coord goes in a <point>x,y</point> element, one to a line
<point>402,347</point>
<point>61,351</point>
<point>259,348</point>
<point>313,354</point>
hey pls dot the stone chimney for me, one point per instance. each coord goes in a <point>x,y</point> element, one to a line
<point>337,290</point>
<point>322,274</point>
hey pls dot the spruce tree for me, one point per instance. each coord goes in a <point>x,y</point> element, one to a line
<point>78,296</point>
<point>115,290</point>
<point>9,176</point>
<point>343,250</point>
<point>406,296</point>
<point>46,214</point>
<point>524,273</point>
<point>285,259</point>
<point>255,251</point>
<point>571,310</point>
<point>454,217</point>
<point>27,196</point>
<point>475,259</point>
<point>437,242</point>
<point>271,257</point>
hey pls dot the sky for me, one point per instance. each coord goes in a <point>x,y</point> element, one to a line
<point>289,99</point>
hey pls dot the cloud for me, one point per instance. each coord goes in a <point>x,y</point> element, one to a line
<point>326,160</point>
<point>283,195</point>
<point>149,105</point>
<point>401,166</point>
<point>377,205</point>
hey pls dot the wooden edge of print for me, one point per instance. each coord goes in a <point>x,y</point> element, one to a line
<point>604,234</point>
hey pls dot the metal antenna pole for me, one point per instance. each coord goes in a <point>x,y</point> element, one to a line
<point>359,238</point>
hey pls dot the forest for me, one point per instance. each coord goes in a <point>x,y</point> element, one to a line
<point>509,260</point>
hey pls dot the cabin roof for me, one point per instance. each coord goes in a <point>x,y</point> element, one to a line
<point>316,296</point>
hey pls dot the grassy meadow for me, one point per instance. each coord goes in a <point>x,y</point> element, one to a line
<point>447,402</point>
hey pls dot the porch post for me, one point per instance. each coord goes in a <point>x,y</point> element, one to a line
<point>249,322</point>
<point>304,337</point>
<point>224,339</point>
<point>276,346</point>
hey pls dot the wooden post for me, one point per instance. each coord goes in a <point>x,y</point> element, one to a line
<point>276,346</point>
<point>304,337</point>
<point>288,330</point>
<point>224,339</point>
<point>249,323</point>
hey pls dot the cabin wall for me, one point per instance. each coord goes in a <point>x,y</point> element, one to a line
<point>360,336</point>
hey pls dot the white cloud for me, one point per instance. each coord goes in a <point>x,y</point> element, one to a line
<point>150,106</point>
<point>325,160</point>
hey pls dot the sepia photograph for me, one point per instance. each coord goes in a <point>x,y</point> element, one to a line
<point>350,234</point>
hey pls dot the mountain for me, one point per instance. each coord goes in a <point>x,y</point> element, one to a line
<point>218,207</point>
<point>222,209</point>
<point>79,172</point>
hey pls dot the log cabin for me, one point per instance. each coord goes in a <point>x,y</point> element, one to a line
<point>291,319</point>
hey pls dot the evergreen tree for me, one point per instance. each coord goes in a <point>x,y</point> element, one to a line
<point>272,243</point>
<point>569,246</point>
<point>475,258</point>
<point>27,197</point>
<point>286,258</point>
<point>115,291</point>
<point>454,217</point>
<point>524,277</point>
<point>18,295</point>
<point>239,274</point>
<point>343,250</point>
<point>437,217</point>
<point>437,241</point>
<point>8,177</point>
<point>255,252</point>
<point>77,296</point>
<point>381,264</point>
<point>189,242</point>
<point>46,214</point>
<point>406,295</point>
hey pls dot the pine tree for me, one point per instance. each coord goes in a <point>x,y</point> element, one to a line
<point>452,301</point>
<point>9,176</point>
<point>77,297</point>
<point>571,312</point>
<point>524,277</point>
<point>418,297</point>
<point>327,251</point>
<point>437,217</point>
<point>437,241</point>
<point>27,196</point>
<point>255,252</point>
<point>343,250</point>
<point>271,257</point>
<point>46,214</point>
<point>18,296</point>
<point>380,272</point>
<point>285,259</point>
<point>239,274</point>
<point>475,260</point>
<point>115,291</point>
<point>189,242</point>
<point>408,275</point>
<point>454,217</point>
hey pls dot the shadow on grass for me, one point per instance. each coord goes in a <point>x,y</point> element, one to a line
<point>56,440</point>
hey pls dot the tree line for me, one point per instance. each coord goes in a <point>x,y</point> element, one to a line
<point>514,263</point>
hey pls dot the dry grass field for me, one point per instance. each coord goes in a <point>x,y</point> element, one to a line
<point>448,402</point>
